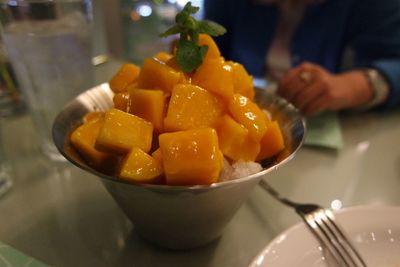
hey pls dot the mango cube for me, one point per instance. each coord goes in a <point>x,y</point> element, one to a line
<point>121,101</point>
<point>155,74</point>
<point>215,77</point>
<point>140,167</point>
<point>242,81</point>
<point>235,142</point>
<point>93,116</point>
<point>83,139</point>
<point>192,107</point>
<point>125,76</point>
<point>191,157</point>
<point>213,50</point>
<point>122,131</point>
<point>272,142</point>
<point>185,77</point>
<point>163,56</point>
<point>157,155</point>
<point>247,113</point>
<point>149,105</point>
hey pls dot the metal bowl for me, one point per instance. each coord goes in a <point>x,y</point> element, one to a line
<point>178,217</point>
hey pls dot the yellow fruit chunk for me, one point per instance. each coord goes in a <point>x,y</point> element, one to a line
<point>149,105</point>
<point>192,107</point>
<point>185,77</point>
<point>213,50</point>
<point>234,140</point>
<point>93,116</point>
<point>122,131</point>
<point>121,101</point>
<point>140,167</point>
<point>125,76</point>
<point>242,81</point>
<point>157,155</point>
<point>191,157</point>
<point>83,139</point>
<point>247,113</point>
<point>215,77</point>
<point>163,56</point>
<point>272,142</point>
<point>155,74</point>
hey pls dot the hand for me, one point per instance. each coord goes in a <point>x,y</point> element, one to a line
<point>312,89</point>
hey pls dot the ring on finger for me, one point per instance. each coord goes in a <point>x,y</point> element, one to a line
<point>305,76</point>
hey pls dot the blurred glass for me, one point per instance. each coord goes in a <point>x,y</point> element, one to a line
<point>10,98</point>
<point>50,49</point>
<point>5,177</point>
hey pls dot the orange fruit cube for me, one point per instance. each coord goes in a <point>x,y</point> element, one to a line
<point>122,131</point>
<point>83,139</point>
<point>242,81</point>
<point>272,142</point>
<point>213,50</point>
<point>192,107</point>
<point>235,142</point>
<point>149,105</point>
<point>247,113</point>
<point>215,77</point>
<point>121,101</point>
<point>163,56</point>
<point>191,157</point>
<point>155,74</point>
<point>140,167</point>
<point>125,76</point>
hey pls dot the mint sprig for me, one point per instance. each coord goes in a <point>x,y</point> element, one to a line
<point>189,54</point>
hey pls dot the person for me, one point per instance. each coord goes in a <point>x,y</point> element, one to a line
<point>324,54</point>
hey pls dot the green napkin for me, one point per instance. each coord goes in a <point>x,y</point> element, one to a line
<point>10,257</point>
<point>324,130</point>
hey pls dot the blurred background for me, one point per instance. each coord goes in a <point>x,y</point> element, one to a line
<point>129,29</point>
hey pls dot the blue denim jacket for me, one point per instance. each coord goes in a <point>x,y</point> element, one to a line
<point>370,29</point>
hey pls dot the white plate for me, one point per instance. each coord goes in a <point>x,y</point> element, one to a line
<point>375,231</point>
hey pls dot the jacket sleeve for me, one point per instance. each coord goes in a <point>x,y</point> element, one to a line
<point>375,38</point>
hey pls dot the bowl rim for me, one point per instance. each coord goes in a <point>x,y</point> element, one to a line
<point>173,188</point>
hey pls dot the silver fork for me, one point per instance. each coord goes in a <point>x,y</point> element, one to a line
<point>322,224</point>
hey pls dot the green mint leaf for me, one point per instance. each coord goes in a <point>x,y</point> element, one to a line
<point>189,56</point>
<point>203,51</point>
<point>158,2</point>
<point>190,24</point>
<point>181,17</point>
<point>185,15</point>
<point>171,31</point>
<point>211,28</point>
<point>189,9</point>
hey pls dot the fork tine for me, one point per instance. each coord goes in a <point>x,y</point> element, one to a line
<point>314,224</point>
<point>325,225</point>
<point>344,240</point>
<point>334,239</point>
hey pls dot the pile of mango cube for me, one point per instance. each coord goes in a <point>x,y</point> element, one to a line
<point>175,128</point>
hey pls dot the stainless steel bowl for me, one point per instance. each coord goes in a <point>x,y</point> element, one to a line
<point>178,217</point>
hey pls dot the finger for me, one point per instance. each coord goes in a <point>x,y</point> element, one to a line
<point>309,94</point>
<point>304,72</point>
<point>289,77</point>
<point>317,106</point>
<point>292,89</point>
<point>292,83</point>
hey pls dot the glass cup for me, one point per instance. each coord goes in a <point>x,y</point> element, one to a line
<point>5,177</point>
<point>49,47</point>
<point>10,99</point>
